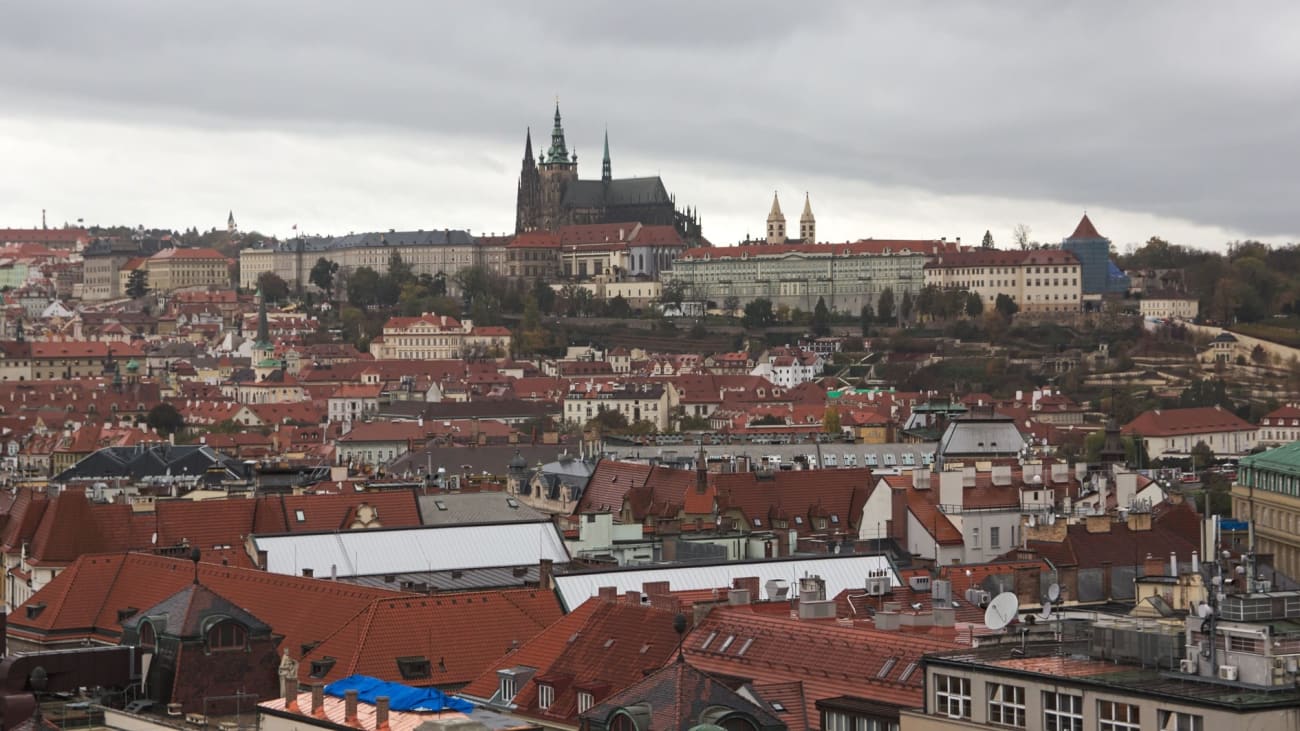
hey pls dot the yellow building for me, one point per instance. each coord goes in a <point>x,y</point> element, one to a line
<point>172,269</point>
<point>1038,280</point>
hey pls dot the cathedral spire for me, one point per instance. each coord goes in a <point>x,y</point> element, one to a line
<point>776,222</point>
<point>528,146</point>
<point>558,152</point>
<point>807,224</point>
<point>605,173</point>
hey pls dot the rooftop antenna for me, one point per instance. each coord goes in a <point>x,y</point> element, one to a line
<point>195,555</point>
<point>1001,611</point>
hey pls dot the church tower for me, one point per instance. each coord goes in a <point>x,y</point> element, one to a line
<point>775,222</point>
<point>807,224</point>
<point>605,174</point>
<point>230,223</point>
<point>528,201</point>
<point>558,168</point>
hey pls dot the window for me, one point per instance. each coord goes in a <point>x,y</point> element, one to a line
<point>545,696</point>
<point>148,638</point>
<point>1062,712</point>
<point>1116,716</point>
<point>974,537</point>
<point>995,537</point>
<point>226,635</point>
<point>584,701</point>
<point>1179,721</point>
<point>507,688</point>
<point>1006,705</point>
<point>708,641</point>
<point>300,516</point>
<point>952,696</point>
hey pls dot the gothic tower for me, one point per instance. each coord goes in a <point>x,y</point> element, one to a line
<point>558,168</point>
<point>775,222</point>
<point>807,224</point>
<point>528,201</point>
<point>605,174</point>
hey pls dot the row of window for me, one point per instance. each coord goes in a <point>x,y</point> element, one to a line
<point>1061,711</point>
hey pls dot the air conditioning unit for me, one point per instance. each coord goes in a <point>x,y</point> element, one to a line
<point>878,586</point>
<point>1187,666</point>
<point>1227,672</point>
<point>1264,586</point>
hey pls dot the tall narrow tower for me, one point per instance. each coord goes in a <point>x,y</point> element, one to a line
<point>807,224</point>
<point>605,174</point>
<point>557,169</point>
<point>775,222</point>
<point>230,223</point>
<point>528,201</point>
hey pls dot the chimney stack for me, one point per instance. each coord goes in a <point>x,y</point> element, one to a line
<point>350,707</point>
<point>291,694</point>
<point>381,713</point>
<point>318,700</point>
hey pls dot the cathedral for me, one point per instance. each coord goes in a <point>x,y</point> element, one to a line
<point>551,195</point>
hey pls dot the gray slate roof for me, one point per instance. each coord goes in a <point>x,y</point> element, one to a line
<point>624,192</point>
<point>475,507</point>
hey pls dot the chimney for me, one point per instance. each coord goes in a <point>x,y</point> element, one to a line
<point>738,596</point>
<point>921,478</point>
<point>608,593</point>
<point>950,491</point>
<point>749,584</point>
<point>291,694</point>
<point>1196,569</point>
<point>887,621</point>
<point>1097,523</point>
<point>546,574</point>
<point>1173,563</point>
<point>350,707</point>
<point>318,700</point>
<point>1153,566</point>
<point>632,596</point>
<point>381,713</point>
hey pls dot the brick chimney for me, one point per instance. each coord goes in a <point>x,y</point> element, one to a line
<point>381,713</point>
<point>748,583</point>
<point>546,574</point>
<point>1098,523</point>
<point>318,700</point>
<point>291,695</point>
<point>608,593</point>
<point>632,596</point>
<point>350,708</point>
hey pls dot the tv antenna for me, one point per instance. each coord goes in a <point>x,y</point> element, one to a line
<point>1001,611</point>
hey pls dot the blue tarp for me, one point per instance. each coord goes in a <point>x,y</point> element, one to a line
<point>400,697</point>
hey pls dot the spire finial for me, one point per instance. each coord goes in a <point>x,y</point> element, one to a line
<point>606,173</point>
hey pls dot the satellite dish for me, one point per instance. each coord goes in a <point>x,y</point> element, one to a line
<point>154,539</point>
<point>1001,610</point>
<point>1053,592</point>
<point>1204,610</point>
<point>1047,610</point>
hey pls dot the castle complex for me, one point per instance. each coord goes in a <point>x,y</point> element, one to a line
<point>551,195</point>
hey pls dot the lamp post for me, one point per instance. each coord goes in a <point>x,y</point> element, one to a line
<point>38,681</point>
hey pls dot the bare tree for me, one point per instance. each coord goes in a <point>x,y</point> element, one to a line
<point>1021,236</point>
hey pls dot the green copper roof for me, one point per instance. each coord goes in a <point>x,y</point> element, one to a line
<point>133,365</point>
<point>558,152</point>
<point>268,363</point>
<point>1284,459</point>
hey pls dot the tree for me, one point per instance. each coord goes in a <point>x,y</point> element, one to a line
<point>821,319</point>
<point>987,243</point>
<point>137,283</point>
<point>1202,456</point>
<point>618,307</point>
<point>885,308</point>
<point>274,289</point>
<point>363,287</point>
<point>868,318</point>
<point>1258,354</point>
<point>672,294</point>
<point>831,420</point>
<point>399,272</point>
<point>906,307</point>
<point>758,314</point>
<point>1021,236</point>
<point>974,305</point>
<point>929,301</point>
<point>731,304</point>
<point>165,419</point>
<point>322,275</point>
<point>607,420</point>
<point>1005,306</point>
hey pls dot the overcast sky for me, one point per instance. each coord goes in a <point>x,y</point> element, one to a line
<point>902,121</point>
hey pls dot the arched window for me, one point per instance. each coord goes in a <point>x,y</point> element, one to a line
<point>226,635</point>
<point>148,638</point>
<point>622,722</point>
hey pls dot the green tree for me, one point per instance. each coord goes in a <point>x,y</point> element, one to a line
<point>974,305</point>
<point>1202,456</point>
<point>928,303</point>
<point>274,289</point>
<point>672,294</point>
<point>821,319</point>
<point>906,306</point>
<point>867,318</point>
<point>987,243</point>
<point>399,272</point>
<point>165,419</point>
<point>363,287</point>
<point>137,283</point>
<point>1005,306</point>
<point>618,307</point>
<point>885,307</point>
<point>322,275</point>
<point>758,314</point>
<point>607,420</point>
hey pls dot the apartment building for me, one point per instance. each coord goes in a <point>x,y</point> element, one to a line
<point>1037,280</point>
<point>172,269</point>
<point>847,276</point>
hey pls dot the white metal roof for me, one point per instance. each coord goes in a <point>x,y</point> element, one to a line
<point>839,573</point>
<point>408,550</point>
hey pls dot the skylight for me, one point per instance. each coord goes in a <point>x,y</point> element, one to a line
<point>440,504</point>
<point>727,643</point>
<point>708,640</point>
<point>778,706</point>
<point>748,641</point>
<point>300,515</point>
<point>907,672</point>
<point>884,669</point>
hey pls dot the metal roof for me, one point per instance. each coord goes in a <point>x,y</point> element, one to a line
<point>839,573</point>
<point>411,550</point>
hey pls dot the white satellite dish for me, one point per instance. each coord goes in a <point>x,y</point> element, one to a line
<point>1047,610</point>
<point>1053,592</point>
<point>1001,610</point>
<point>1204,610</point>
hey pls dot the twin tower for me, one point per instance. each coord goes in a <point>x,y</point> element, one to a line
<point>776,224</point>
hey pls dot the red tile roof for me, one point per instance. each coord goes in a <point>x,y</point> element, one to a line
<point>856,248</point>
<point>1002,257</point>
<point>1085,230</point>
<point>1180,422</point>
<point>461,635</point>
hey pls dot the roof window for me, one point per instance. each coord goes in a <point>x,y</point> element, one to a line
<point>300,516</point>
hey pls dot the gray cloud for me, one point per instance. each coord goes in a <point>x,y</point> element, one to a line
<point>1181,111</point>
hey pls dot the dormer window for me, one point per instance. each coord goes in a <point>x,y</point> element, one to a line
<point>508,689</point>
<point>545,696</point>
<point>148,637</point>
<point>227,635</point>
<point>585,701</point>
